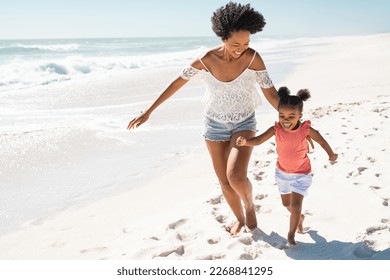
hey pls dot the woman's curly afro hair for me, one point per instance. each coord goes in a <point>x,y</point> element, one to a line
<point>236,17</point>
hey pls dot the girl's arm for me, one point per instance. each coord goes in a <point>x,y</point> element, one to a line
<point>254,141</point>
<point>316,136</point>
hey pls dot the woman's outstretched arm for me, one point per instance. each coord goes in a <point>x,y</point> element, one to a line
<point>166,94</point>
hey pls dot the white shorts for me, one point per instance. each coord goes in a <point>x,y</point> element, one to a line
<point>288,183</point>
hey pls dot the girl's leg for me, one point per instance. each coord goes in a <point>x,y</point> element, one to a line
<point>293,203</point>
<point>295,217</point>
<point>219,152</point>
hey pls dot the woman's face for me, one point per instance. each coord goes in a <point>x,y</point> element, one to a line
<point>237,43</point>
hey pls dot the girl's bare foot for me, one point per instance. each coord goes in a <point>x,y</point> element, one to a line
<point>235,228</point>
<point>300,225</point>
<point>250,218</point>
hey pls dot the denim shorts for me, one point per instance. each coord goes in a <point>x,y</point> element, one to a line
<point>216,131</point>
<point>287,183</point>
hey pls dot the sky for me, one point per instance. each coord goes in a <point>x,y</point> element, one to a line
<point>26,19</point>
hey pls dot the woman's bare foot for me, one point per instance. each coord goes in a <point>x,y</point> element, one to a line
<point>300,225</point>
<point>291,240</point>
<point>235,228</point>
<point>250,218</point>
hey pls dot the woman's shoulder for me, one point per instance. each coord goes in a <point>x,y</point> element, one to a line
<point>257,63</point>
<point>205,58</point>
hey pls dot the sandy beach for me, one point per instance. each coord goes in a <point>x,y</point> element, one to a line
<point>181,214</point>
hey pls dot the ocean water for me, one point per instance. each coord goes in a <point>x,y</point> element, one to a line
<point>25,63</point>
<point>65,105</point>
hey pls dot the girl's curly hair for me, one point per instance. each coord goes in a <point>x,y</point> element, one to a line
<point>236,17</point>
<point>292,101</point>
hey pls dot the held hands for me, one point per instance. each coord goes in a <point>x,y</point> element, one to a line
<point>241,141</point>
<point>137,121</point>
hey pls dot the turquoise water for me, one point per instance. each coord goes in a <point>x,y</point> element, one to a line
<point>28,63</point>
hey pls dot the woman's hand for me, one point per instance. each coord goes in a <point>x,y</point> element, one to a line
<point>333,158</point>
<point>137,121</point>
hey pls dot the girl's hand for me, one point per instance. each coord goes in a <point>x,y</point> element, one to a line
<point>137,121</point>
<point>241,141</point>
<point>333,158</point>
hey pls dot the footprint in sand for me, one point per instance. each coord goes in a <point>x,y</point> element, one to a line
<point>262,164</point>
<point>385,221</point>
<point>260,196</point>
<point>270,151</point>
<point>355,173</point>
<point>259,175</point>
<point>371,159</point>
<point>246,257</point>
<point>177,224</point>
<point>155,238</point>
<point>361,169</point>
<point>185,236</point>
<point>211,257</point>
<point>94,250</point>
<point>373,229</point>
<point>177,250</point>
<point>182,234</point>
<point>221,218</point>
<point>213,241</point>
<point>251,253</point>
<point>215,200</point>
<point>257,208</point>
<point>246,240</point>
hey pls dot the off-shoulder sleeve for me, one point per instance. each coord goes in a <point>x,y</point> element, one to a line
<point>189,72</point>
<point>263,79</point>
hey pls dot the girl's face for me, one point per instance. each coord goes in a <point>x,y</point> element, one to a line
<point>289,118</point>
<point>237,43</point>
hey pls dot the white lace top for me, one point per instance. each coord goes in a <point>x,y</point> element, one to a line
<point>232,101</point>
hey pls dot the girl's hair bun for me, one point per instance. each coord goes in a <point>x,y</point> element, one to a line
<point>303,94</point>
<point>283,92</point>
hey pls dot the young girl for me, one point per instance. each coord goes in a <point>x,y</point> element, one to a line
<point>293,167</point>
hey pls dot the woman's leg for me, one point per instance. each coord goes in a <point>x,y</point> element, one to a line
<point>231,166</point>
<point>237,169</point>
<point>219,152</point>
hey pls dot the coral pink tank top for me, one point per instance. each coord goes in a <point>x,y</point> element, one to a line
<point>292,148</point>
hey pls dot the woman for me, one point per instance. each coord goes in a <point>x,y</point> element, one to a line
<point>232,72</point>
